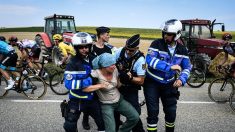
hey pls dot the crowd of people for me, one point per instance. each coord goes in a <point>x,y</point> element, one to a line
<point>104,81</point>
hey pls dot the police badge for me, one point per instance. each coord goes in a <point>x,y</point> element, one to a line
<point>69,77</point>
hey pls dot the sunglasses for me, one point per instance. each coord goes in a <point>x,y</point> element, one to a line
<point>131,50</point>
<point>83,46</point>
<point>169,34</point>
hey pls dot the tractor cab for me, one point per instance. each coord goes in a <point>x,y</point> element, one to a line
<point>59,24</point>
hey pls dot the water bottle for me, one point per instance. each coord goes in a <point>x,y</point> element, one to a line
<point>25,72</point>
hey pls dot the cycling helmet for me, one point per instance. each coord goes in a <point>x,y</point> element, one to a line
<point>13,39</point>
<point>57,37</point>
<point>81,38</point>
<point>173,26</point>
<point>2,38</point>
<point>227,36</point>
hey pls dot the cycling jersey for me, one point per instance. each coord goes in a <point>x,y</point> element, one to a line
<point>5,48</point>
<point>25,43</point>
<point>66,49</point>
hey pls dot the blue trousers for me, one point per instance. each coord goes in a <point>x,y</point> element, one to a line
<point>154,91</point>
<point>76,106</point>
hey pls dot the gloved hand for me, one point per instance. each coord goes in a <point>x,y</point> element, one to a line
<point>124,78</point>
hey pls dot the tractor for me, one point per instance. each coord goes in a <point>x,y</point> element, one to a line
<point>198,36</point>
<point>55,24</point>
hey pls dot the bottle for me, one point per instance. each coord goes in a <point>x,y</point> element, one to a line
<point>25,72</point>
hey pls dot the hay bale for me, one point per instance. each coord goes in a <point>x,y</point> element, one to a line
<point>215,62</point>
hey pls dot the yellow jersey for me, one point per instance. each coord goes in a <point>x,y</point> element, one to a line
<point>66,49</point>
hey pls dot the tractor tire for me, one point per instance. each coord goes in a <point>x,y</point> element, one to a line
<point>202,61</point>
<point>44,50</point>
<point>56,55</point>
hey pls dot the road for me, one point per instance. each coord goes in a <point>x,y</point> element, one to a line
<point>196,113</point>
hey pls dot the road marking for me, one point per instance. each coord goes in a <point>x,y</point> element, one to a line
<point>37,101</point>
<point>56,101</point>
<point>195,102</point>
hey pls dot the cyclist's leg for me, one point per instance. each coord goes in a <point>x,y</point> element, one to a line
<point>6,61</point>
<point>35,53</point>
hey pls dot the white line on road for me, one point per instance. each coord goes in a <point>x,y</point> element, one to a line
<point>56,101</point>
<point>195,102</point>
<point>37,101</point>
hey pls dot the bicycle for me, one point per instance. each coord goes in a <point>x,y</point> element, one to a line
<point>220,89</point>
<point>35,86</point>
<point>45,72</point>
<point>197,75</point>
<point>197,78</point>
<point>57,83</point>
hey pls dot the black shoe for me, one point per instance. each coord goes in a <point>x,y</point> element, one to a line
<point>86,125</point>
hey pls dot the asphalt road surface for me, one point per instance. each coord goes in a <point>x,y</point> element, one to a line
<point>196,113</point>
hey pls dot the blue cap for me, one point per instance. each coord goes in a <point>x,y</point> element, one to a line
<point>103,60</point>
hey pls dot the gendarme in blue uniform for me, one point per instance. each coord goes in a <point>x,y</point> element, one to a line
<point>159,81</point>
<point>77,77</point>
<point>160,60</point>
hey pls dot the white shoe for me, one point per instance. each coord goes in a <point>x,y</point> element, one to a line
<point>10,84</point>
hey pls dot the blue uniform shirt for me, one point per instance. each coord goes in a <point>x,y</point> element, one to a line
<point>139,66</point>
<point>77,77</point>
<point>160,59</point>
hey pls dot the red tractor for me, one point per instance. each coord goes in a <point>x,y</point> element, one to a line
<point>55,24</point>
<point>198,36</point>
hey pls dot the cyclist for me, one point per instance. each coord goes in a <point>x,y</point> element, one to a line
<point>67,50</point>
<point>30,51</point>
<point>8,59</point>
<point>229,49</point>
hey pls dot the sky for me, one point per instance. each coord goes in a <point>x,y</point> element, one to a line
<point>116,13</point>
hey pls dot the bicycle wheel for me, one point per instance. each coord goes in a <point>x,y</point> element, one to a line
<point>232,101</point>
<point>36,87</point>
<point>220,90</point>
<point>57,84</point>
<point>3,85</point>
<point>197,78</point>
<point>46,74</point>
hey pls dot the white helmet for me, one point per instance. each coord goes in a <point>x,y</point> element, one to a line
<point>81,38</point>
<point>173,26</point>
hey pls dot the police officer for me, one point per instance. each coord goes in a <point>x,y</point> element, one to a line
<point>77,79</point>
<point>131,67</point>
<point>165,58</point>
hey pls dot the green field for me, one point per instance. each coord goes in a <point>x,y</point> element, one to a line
<point>115,32</point>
